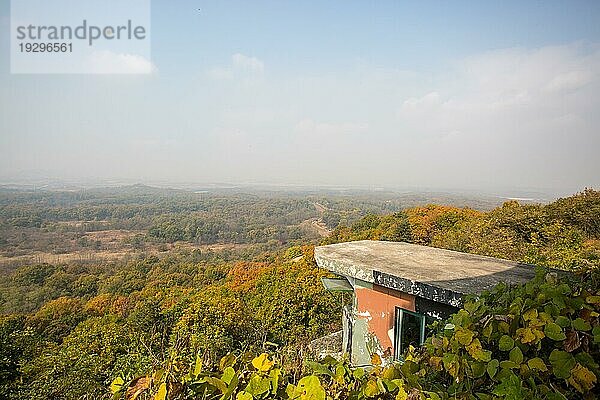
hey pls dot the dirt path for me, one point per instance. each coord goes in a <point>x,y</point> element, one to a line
<point>316,225</point>
<point>320,207</point>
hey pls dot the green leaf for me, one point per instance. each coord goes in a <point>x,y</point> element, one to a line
<point>391,372</point>
<point>464,336</point>
<point>318,368</point>
<point>510,389</point>
<point>596,333</point>
<point>258,385</point>
<point>486,356</point>
<point>275,374</point>
<point>409,367</point>
<point>228,375</point>
<point>554,331</point>
<point>328,360</point>
<point>551,309</point>
<point>451,364</point>
<point>290,390</point>
<point>562,363</point>
<point>530,314</point>
<point>586,360</point>
<point>477,352</point>
<point>516,355</point>
<point>537,364</point>
<point>487,331</point>
<point>243,396</point>
<point>471,306</point>
<point>216,382</point>
<point>506,343</point>
<point>358,373</point>
<point>340,373</point>
<point>492,367</point>
<point>231,388</point>
<point>371,389</point>
<point>507,364</point>
<point>581,325</point>
<point>227,361</point>
<point>309,388</point>
<point>389,385</point>
<point>478,369</point>
<point>461,318</point>
<point>563,321</point>
<point>433,396</point>
<point>529,335</point>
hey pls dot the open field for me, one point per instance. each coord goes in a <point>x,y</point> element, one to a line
<point>112,245</point>
<point>111,224</point>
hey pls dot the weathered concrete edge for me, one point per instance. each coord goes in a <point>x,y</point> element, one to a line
<point>390,281</point>
<point>418,289</point>
<point>341,268</point>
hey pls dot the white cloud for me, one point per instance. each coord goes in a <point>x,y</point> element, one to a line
<point>511,117</point>
<point>430,99</point>
<point>247,63</point>
<point>526,115</point>
<point>490,88</point>
<point>571,80</point>
<point>241,66</point>
<point>532,71</point>
<point>108,62</point>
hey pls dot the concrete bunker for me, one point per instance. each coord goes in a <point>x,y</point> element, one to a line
<point>400,288</point>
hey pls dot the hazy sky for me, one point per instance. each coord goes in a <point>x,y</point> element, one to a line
<point>430,94</point>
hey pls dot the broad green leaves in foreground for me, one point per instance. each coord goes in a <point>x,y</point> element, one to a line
<point>538,341</point>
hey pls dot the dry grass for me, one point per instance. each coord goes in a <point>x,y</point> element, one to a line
<point>110,245</point>
<point>317,226</point>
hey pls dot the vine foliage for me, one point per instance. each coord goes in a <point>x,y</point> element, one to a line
<point>536,341</point>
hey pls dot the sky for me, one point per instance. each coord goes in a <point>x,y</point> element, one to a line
<point>486,95</point>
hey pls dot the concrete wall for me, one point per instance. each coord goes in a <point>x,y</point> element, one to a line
<point>373,328</point>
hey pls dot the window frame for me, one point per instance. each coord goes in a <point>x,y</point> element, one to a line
<point>398,329</point>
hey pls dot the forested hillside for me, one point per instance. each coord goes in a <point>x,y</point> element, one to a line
<point>99,225</point>
<point>564,234</point>
<point>156,324</point>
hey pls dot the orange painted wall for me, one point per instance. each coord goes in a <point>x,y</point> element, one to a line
<point>381,304</point>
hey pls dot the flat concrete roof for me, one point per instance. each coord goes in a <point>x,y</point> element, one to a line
<point>437,274</point>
